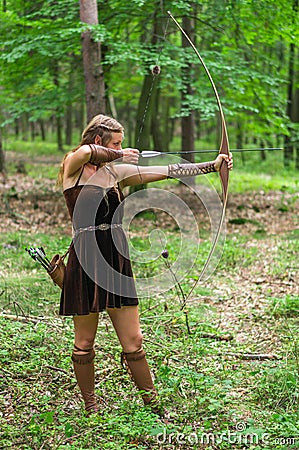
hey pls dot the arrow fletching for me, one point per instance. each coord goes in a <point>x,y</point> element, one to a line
<point>39,256</point>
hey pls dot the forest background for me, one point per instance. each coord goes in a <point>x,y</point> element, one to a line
<point>227,364</point>
<point>250,48</point>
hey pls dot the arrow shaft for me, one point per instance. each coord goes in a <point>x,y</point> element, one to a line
<point>150,154</point>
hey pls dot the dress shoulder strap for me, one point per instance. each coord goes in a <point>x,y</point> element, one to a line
<point>77,182</point>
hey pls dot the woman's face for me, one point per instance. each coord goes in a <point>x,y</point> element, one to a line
<point>115,142</point>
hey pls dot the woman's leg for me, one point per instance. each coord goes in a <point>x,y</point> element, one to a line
<point>127,327</point>
<point>83,357</point>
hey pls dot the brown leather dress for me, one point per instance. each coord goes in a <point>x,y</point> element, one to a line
<point>98,271</point>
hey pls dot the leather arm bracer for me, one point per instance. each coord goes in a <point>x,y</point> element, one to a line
<point>190,170</point>
<point>101,154</point>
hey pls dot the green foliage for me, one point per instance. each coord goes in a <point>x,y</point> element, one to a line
<point>246,51</point>
<point>206,388</point>
<point>287,306</point>
<point>265,175</point>
<point>33,149</point>
<point>278,387</point>
<point>208,393</point>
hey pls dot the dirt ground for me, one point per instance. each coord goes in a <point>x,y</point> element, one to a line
<point>39,206</point>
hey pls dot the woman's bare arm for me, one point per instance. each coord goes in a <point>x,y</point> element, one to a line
<point>130,175</point>
<point>75,160</point>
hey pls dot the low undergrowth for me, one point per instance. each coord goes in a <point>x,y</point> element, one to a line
<point>226,365</point>
<point>229,379</point>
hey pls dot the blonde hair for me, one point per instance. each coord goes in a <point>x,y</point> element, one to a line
<point>99,125</point>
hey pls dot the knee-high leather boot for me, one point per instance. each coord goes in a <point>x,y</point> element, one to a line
<point>84,371</point>
<point>137,367</point>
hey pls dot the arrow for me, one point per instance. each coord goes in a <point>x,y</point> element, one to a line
<point>153,153</point>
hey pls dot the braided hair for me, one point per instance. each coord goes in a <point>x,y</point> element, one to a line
<point>99,125</point>
<point>102,126</point>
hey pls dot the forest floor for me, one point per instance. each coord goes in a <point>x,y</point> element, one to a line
<point>249,301</point>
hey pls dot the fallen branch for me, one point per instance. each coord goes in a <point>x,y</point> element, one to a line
<point>253,356</point>
<point>24,319</point>
<point>14,214</point>
<point>57,369</point>
<point>224,337</point>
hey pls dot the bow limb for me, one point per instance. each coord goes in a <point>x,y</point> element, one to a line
<point>224,172</point>
<point>224,148</point>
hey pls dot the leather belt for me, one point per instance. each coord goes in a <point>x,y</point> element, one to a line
<point>100,227</point>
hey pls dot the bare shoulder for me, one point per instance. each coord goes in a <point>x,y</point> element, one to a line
<point>75,160</point>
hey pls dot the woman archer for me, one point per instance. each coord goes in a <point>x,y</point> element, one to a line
<point>90,177</point>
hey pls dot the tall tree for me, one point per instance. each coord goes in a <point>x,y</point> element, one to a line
<point>92,59</point>
<point>289,146</point>
<point>2,156</point>
<point>36,55</point>
<point>296,112</point>
<point>291,91</point>
<point>188,119</point>
<point>147,105</point>
<point>245,45</point>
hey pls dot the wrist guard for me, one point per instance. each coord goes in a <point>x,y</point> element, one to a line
<point>101,155</point>
<point>190,170</point>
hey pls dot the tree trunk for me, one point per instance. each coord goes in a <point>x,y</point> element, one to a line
<point>42,129</point>
<point>130,125</point>
<point>288,142</point>
<point>156,129</point>
<point>79,117</point>
<point>69,106</point>
<point>59,112</point>
<point>32,131</point>
<point>2,155</point>
<point>147,106</point>
<point>59,131</point>
<point>295,113</point>
<point>17,127</point>
<point>69,124</point>
<point>92,58</point>
<point>188,122</point>
<point>143,121</point>
<point>239,139</point>
<point>288,146</point>
<point>167,129</point>
<point>24,126</point>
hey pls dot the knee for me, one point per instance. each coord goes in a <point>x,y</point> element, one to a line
<point>83,357</point>
<point>138,340</point>
<point>134,343</point>
<point>85,343</point>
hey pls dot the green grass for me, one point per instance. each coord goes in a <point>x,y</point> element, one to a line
<point>250,172</point>
<point>33,149</point>
<point>195,380</point>
<point>201,378</point>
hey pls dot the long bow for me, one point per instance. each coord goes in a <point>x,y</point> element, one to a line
<point>224,148</point>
